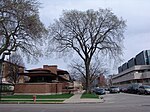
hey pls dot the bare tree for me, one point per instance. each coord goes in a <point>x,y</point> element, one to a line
<point>87,33</point>
<point>15,66</point>
<point>97,67</point>
<point>20,27</point>
<point>16,58</point>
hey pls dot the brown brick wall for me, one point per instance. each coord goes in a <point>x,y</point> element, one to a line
<point>6,70</point>
<point>64,86</point>
<point>59,88</point>
<point>38,88</point>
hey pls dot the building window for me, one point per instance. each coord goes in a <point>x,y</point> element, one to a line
<point>140,71</point>
<point>146,80</point>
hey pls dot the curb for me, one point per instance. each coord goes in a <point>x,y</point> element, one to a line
<point>52,102</point>
<point>30,103</point>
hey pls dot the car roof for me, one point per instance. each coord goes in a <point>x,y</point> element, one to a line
<point>114,87</point>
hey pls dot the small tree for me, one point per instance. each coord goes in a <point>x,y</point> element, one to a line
<point>20,27</point>
<point>87,33</point>
<point>97,67</point>
<point>14,68</point>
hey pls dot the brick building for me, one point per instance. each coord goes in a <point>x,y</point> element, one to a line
<point>101,80</point>
<point>6,71</point>
<point>46,80</point>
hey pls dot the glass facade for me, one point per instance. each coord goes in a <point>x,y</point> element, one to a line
<point>131,62</point>
<point>143,58</point>
<point>125,66</point>
<point>148,57</point>
<point>120,69</point>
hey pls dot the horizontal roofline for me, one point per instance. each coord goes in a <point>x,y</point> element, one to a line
<point>134,68</point>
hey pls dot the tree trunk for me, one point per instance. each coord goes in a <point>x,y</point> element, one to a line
<point>87,67</point>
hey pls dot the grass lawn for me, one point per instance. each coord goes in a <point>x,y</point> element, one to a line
<point>58,96</point>
<point>31,101</point>
<point>89,95</point>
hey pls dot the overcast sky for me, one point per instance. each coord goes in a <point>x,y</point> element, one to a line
<point>135,12</point>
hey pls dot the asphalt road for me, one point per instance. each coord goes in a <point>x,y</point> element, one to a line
<point>113,103</point>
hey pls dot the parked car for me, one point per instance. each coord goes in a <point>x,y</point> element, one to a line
<point>106,89</point>
<point>144,89</point>
<point>123,89</point>
<point>133,88</point>
<point>93,89</point>
<point>100,91</point>
<point>114,90</point>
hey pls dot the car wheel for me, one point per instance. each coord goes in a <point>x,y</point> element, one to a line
<point>139,93</point>
<point>145,92</point>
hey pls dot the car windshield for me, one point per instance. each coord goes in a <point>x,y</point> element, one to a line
<point>147,87</point>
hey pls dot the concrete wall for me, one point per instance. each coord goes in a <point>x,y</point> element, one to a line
<point>135,74</point>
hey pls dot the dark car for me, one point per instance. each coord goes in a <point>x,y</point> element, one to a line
<point>144,89</point>
<point>133,88</point>
<point>123,89</point>
<point>100,91</point>
<point>114,90</point>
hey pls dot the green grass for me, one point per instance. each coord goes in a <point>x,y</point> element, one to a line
<point>89,95</point>
<point>31,101</point>
<point>58,96</point>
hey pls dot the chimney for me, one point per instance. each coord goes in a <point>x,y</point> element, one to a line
<point>52,68</point>
<point>45,66</point>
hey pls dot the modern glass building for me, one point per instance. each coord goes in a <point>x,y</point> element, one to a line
<point>131,62</point>
<point>136,70</point>
<point>143,58</point>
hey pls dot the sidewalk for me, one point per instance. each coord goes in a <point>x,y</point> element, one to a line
<point>76,99</point>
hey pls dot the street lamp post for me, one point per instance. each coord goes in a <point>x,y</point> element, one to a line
<point>1,76</point>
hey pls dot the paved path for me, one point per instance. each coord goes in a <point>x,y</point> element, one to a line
<point>76,99</point>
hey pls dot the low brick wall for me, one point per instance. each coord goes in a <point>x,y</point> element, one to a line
<point>38,88</point>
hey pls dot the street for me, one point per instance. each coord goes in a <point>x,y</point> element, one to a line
<point>113,103</point>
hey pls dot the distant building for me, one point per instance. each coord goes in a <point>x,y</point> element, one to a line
<point>136,70</point>
<point>100,81</point>
<point>9,76</point>
<point>6,71</point>
<point>109,80</point>
<point>77,86</point>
